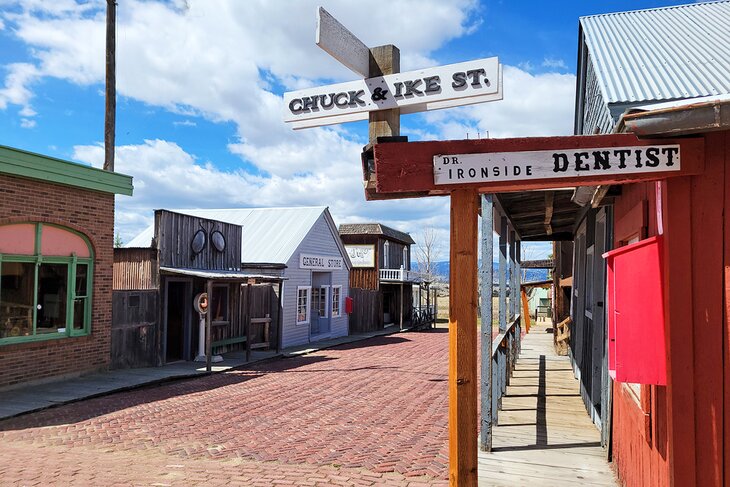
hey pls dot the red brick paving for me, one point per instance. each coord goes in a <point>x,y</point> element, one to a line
<point>369,413</point>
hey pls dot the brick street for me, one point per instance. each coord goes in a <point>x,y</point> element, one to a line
<point>367,413</point>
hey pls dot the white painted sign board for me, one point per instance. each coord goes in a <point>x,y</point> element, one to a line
<point>341,44</point>
<point>549,164</point>
<point>427,89</point>
<point>361,255</point>
<point>320,262</point>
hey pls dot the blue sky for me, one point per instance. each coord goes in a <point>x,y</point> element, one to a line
<point>199,120</point>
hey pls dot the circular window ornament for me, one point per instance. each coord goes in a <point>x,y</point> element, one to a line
<point>198,243</point>
<point>218,240</point>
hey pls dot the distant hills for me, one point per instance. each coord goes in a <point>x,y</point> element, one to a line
<point>531,275</point>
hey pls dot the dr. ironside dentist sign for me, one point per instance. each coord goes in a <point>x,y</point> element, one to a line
<point>553,164</point>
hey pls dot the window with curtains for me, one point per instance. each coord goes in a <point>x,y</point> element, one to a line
<point>45,282</point>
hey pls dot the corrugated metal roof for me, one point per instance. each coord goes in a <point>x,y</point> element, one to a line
<point>662,53</point>
<point>270,235</point>
<point>375,229</point>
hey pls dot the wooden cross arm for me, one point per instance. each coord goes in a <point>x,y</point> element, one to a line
<point>395,170</point>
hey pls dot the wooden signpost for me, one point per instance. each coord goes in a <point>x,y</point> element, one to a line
<point>464,169</point>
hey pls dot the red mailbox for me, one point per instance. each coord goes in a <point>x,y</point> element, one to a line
<point>636,347</point>
<point>348,305</point>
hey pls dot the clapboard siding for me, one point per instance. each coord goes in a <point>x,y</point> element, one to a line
<point>319,241</point>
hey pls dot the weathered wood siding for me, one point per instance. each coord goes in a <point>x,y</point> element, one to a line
<point>174,234</point>
<point>263,300</point>
<point>596,115</point>
<point>367,312</point>
<point>135,329</point>
<point>135,269</point>
<point>365,278</point>
<point>395,255</point>
<point>319,241</point>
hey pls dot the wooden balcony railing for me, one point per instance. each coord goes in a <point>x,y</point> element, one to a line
<point>401,275</point>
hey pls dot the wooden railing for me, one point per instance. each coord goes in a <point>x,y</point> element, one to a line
<point>401,275</point>
<point>506,348</point>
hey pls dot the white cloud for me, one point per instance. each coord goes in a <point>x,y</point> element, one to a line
<point>225,61</point>
<point>556,64</point>
<point>185,123</point>
<point>27,123</point>
<point>166,176</point>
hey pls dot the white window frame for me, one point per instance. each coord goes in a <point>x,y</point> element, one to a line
<point>339,301</point>
<point>308,313</point>
<point>386,253</point>
<point>406,265</point>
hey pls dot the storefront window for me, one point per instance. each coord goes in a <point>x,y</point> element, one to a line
<point>303,293</point>
<point>336,292</point>
<point>45,288</point>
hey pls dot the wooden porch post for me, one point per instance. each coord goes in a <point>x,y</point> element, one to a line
<point>512,301</point>
<point>400,322</point>
<point>248,322</point>
<point>518,276</point>
<point>208,337</point>
<point>486,307</point>
<point>503,273</point>
<point>279,318</point>
<point>462,339</point>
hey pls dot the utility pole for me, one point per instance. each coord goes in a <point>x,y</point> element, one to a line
<point>111,80</point>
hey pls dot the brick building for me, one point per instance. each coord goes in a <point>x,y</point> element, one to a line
<point>56,244</point>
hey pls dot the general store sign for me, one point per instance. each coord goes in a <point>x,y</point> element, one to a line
<point>414,91</point>
<point>361,255</point>
<point>320,262</point>
<point>546,164</point>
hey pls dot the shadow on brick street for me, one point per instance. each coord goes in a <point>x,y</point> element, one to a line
<point>82,410</point>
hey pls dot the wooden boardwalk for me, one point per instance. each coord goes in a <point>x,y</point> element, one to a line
<point>545,436</point>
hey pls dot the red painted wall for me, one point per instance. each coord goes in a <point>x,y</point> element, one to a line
<point>675,435</point>
<point>91,213</point>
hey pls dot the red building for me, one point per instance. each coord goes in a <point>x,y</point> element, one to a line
<point>56,243</point>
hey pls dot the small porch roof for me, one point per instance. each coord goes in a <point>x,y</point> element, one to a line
<point>540,215</point>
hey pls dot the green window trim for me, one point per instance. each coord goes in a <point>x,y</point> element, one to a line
<point>72,263</point>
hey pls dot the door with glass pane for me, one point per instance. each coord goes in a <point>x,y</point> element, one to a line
<point>51,300</point>
<point>320,308</point>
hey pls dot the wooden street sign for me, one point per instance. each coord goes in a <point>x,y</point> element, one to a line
<point>341,44</point>
<point>410,169</point>
<point>426,89</point>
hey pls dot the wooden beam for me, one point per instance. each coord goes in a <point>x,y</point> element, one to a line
<point>500,208</point>
<point>463,339</point>
<point>384,60</point>
<point>549,196</point>
<point>406,169</point>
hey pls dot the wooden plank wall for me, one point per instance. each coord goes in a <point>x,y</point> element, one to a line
<point>367,311</point>
<point>364,278</point>
<point>263,300</point>
<point>174,233</point>
<point>135,325</point>
<point>679,434</point>
<point>135,269</point>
